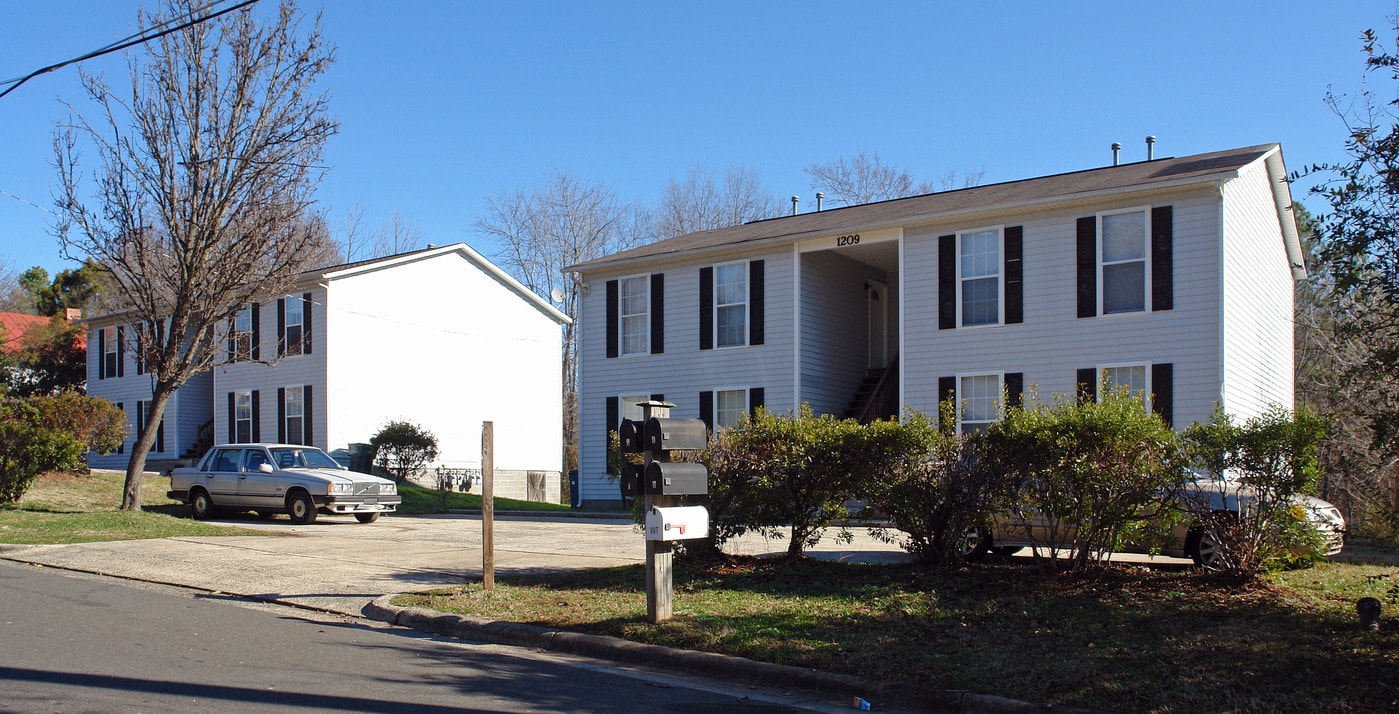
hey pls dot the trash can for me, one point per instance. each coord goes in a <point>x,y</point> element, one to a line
<point>575,497</point>
<point>361,458</point>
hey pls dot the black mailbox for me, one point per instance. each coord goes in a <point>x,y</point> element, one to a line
<point>665,478</point>
<point>672,434</point>
<point>629,436</point>
<point>632,480</point>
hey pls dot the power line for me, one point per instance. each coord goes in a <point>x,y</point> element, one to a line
<point>131,40</point>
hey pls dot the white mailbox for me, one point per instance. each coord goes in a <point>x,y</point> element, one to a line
<point>677,523</point>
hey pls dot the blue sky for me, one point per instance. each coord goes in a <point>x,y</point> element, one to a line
<point>442,104</point>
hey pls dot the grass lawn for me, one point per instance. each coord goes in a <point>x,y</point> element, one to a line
<point>1119,638</point>
<point>426,500</point>
<point>79,508</point>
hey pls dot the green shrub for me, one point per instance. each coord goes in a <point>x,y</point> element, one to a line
<point>937,490</point>
<point>1088,471</point>
<point>27,448</point>
<point>403,449</point>
<point>1251,503</point>
<point>94,421</point>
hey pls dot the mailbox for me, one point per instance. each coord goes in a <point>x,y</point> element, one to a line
<point>629,437</point>
<point>633,484</point>
<point>664,478</point>
<point>677,523</point>
<point>672,434</point>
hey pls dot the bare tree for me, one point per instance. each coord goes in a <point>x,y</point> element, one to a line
<point>398,235</point>
<point>204,190</point>
<point>701,203</point>
<point>561,221</point>
<point>354,243</point>
<point>865,178</point>
<point>13,296</point>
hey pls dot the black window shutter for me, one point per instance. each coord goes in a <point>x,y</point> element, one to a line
<point>706,409</point>
<point>281,415</point>
<point>947,282</point>
<point>1015,388</point>
<point>232,416</point>
<point>257,334</point>
<point>947,392</point>
<point>121,356</point>
<point>140,417</point>
<point>1163,391</point>
<point>160,435</point>
<point>755,399</point>
<point>1088,384</point>
<point>308,421</point>
<point>102,354</point>
<point>614,423</point>
<point>657,313</point>
<point>1088,266</point>
<point>281,327</point>
<point>755,303</point>
<point>1014,268</point>
<point>306,327</point>
<point>257,418</point>
<point>706,287</point>
<point>140,363</point>
<point>121,447</point>
<point>613,310</point>
<point>1162,259</point>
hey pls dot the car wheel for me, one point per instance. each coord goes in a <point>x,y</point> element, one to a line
<point>301,508</point>
<point>974,544</point>
<point>1204,549</point>
<point>201,507</point>
<point>367,517</point>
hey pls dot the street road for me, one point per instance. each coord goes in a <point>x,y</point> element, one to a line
<point>75,643</point>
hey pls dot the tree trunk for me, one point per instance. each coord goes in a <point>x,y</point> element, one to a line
<point>131,492</point>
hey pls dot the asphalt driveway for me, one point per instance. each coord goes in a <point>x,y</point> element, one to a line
<point>340,565</point>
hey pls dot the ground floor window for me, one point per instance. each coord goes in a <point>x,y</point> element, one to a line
<point>243,417</point>
<point>978,398</point>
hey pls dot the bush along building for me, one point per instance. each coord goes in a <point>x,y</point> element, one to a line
<point>439,337</point>
<point>1174,276</point>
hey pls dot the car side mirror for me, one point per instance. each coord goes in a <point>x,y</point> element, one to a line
<point>266,468</point>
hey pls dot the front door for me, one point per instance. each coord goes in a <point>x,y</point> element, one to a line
<point>877,303</point>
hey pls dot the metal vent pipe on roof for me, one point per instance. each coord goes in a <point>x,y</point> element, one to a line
<point>1116,149</point>
<point>1150,147</point>
<point>819,198</point>
<point>795,201</point>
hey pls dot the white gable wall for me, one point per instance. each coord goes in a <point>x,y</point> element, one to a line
<point>1257,298</point>
<point>441,343</point>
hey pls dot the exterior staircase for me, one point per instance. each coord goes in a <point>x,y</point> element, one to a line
<point>877,396</point>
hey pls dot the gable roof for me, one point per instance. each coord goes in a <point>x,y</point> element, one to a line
<point>13,325</point>
<point>1011,195</point>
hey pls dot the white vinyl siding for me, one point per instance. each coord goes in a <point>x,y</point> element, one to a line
<point>979,280</point>
<point>731,305</point>
<point>634,315</point>
<point>1123,266</point>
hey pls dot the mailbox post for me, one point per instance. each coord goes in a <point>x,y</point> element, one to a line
<point>661,481</point>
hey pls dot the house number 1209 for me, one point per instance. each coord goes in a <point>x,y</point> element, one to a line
<point>852,239</point>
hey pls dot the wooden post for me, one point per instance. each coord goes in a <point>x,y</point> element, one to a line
<point>487,506</point>
<point>659,556</point>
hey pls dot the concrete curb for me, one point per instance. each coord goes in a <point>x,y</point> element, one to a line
<point>729,667</point>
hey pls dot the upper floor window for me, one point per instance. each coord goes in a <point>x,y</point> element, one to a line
<point>978,400</point>
<point>731,304</point>
<point>979,277</point>
<point>1123,261</point>
<point>635,321</point>
<point>240,343</point>
<point>294,322</point>
<point>111,352</point>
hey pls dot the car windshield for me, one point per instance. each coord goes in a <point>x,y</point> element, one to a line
<point>302,458</point>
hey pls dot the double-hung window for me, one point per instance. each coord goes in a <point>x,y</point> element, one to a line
<point>631,407</point>
<point>294,322</point>
<point>111,355</point>
<point>1123,259</point>
<point>979,277</point>
<point>731,304</point>
<point>243,417</point>
<point>1134,377</point>
<point>242,337</point>
<point>978,402</point>
<point>729,407</point>
<point>634,317</point>
<point>294,405</point>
